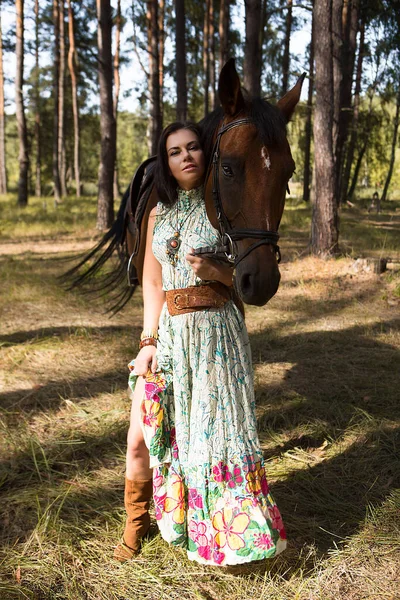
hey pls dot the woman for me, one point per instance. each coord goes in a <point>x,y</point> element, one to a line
<point>193,429</point>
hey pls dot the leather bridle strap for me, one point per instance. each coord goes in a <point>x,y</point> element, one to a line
<point>227,251</point>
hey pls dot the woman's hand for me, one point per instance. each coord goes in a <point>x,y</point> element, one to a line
<point>210,270</point>
<point>145,360</point>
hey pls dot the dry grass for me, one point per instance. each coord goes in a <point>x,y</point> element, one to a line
<point>326,358</point>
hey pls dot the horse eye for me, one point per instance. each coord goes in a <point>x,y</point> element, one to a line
<point>227,171</point>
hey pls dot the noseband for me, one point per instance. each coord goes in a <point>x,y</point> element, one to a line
<point>228,250</point>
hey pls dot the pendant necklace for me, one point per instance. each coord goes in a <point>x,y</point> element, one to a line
<point>174,243</point>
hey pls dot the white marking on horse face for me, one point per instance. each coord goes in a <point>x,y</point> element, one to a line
<point>265,158</point>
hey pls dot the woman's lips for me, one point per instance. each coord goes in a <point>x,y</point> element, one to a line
<point>190,167</point>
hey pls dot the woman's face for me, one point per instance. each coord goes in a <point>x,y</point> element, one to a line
<point>185,158</point>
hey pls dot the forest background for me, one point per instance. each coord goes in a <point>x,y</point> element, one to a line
<point>70,117</point>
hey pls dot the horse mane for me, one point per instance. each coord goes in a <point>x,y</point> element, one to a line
<point>268,120</point>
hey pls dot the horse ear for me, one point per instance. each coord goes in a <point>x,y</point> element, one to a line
<point>288,103</point>
<point>229,90</point>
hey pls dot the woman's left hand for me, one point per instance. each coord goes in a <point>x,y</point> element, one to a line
<point>210,270</point>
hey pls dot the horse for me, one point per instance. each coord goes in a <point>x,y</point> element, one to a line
<point>249,166</point>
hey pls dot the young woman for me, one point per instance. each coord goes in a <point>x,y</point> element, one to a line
<point>192,438</point>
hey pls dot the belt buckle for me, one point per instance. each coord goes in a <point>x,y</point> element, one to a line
<point>176,300</point>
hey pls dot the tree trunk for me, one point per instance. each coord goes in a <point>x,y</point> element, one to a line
<point>223,32</point>
<point>38,178</point>
<point>324,231</point>
<point>61,104</point>
<point>349,28</point>
<point>252,49</point>
<point>23,156</point>
<point>213,95</point>
<point>56,62</point>
<point>117,85</point>
<point>180,61</point>
<point>337,60</point>
<point>3,172</point>
<point>286,51</point>
<point>155,124</point>
<point>206,56</point>
<point>72,59</point>
<point>356,112</point>
<point>394,145</point>
<point>161,30</point>
<point>308,126</point>
<point>357,169</point>
<point>105,206</point>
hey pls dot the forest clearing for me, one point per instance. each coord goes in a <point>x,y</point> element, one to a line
<point>326,354</point>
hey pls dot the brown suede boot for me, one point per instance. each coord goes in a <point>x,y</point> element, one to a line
<point>138,494</point>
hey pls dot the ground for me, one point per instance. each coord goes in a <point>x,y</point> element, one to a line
<point>326,359</point>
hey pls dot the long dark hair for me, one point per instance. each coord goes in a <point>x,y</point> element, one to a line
<point>164,182</point>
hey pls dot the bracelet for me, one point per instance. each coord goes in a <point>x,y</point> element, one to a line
<point>149,341</point>
<point>149,333</point>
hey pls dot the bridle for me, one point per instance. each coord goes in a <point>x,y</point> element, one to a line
<point>228,249</point>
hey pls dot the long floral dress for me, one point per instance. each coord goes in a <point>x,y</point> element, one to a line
<point>198,416</point>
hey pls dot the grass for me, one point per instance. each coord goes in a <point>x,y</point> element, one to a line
<point>326,357</point>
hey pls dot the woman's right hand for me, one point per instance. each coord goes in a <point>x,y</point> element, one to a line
<point>145,360</point>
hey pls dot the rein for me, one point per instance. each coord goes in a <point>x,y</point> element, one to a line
<point>228,250</point>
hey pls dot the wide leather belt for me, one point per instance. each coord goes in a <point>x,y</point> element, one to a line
<point>194,298</point>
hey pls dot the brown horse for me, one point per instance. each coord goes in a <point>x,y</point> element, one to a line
<point>250,165</point>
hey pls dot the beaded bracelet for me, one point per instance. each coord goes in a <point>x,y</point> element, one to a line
<point>149,341</point>
<point>149,333</point>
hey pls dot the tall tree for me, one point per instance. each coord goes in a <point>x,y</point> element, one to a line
<point>252,49</point>
<point>211,62</point>
<point>324,231</point>
<point>206,56</point>
<point>3,172</point>
<point>394,146</point>
<point>56,72</point>
<point>308,124</point>
<point>61,102</point>
<point>117,85</point>
<point>286,51</point>
<point>155,123</point>
<point>180,61</point>
<point>38,174</point>
<point>224,21</point>
<point>23,156</point>
<point>161,29</point>
<point>105,205</point>
<point>72,61</point>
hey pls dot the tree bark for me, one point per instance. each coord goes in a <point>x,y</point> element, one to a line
<point>161,30</point>
<point>206,57</point>
<point>155,124</point>
<point>308,125</point>
<point>286,51</point>
<point>224,21</point>
<point>394,145</point>
<point>105,206</point>
<point>56,62</point>
<point>180,61</point>
<point>72,60</point>
<point>349,28</point>
<point>62,165</point>
<point>213,95</point>
<point>324,230</point>
<point>117,86</point>
<point>23,156</point>
<point>38,178</point>
<point>3,172</point>
<point>252,49</point>
<point>356,113</point>
<point>337,58</point>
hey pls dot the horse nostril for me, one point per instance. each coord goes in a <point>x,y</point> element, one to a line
<point>246,284</point>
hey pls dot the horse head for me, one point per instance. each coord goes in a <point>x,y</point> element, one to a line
<point>251,167</point>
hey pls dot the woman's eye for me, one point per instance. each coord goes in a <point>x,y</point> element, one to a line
<point>193,148</point>
<point>227,171</point>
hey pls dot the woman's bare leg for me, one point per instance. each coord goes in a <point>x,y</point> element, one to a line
<point>137,454</point>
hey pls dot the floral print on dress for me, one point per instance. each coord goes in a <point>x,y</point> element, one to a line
<point>211,494</point>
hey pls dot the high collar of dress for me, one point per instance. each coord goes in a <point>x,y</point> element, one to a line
<point>186,198</point>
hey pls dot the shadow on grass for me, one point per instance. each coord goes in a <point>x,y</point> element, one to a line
<point>22,337</point>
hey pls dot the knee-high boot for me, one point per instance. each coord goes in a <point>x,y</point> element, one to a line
<point>138,494</point>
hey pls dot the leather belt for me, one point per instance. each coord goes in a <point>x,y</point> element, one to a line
<point>197,297</point>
